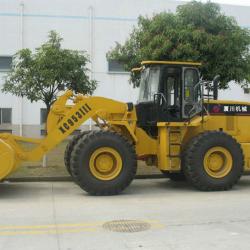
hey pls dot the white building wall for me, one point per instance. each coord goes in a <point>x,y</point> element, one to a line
<point>234,92</point>
<point>112,21</point>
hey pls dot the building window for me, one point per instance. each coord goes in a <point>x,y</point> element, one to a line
<point>5,63</point>
<point>116,67</point>
<point>43,132</point>
<point>43,116</point>
<point>5,116</point>
<point>246,90</point>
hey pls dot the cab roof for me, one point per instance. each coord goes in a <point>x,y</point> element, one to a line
<point>171,63</point>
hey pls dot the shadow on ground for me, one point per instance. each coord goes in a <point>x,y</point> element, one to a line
<point>157,187</point>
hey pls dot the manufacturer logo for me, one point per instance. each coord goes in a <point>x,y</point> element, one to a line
<point>235,108</point>
<point>216,109</point>
<point>228,109</point>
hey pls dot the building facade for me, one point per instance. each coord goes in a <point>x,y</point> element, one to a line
<point>90,25</point>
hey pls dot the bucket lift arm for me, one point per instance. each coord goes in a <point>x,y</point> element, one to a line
<point>62,121</point>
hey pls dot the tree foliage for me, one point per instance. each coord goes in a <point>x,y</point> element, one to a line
<point>196,32</point>
<point>42,74</point>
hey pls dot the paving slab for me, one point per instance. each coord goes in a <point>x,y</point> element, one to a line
<point>59,215</point>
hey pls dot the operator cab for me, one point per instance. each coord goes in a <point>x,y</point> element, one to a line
<point>169,92</point>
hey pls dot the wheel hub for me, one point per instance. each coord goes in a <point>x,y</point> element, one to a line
<point>218,162</point>
<point>105,163</point>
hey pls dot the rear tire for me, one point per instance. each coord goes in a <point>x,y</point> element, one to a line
<point>213,161</point>
<point>103,163</point>
<point>69,148</point>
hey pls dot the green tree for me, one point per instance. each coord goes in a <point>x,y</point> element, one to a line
<point>196,32</point>
<point>42,74</point>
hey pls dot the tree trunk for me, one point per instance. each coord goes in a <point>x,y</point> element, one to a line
<point>47,113</point>
<point>44,163</point>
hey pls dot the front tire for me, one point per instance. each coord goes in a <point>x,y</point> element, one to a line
<point>213,161</point>
<point>69,148</point>
<point>103,163</point>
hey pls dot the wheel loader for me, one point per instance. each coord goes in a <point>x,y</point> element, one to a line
<point>177,125</point>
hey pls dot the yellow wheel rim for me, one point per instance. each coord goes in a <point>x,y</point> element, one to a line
<point>218,162</point>
<point>105,163</point>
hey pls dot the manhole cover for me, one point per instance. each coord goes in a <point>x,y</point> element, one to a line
<point>126,226</point>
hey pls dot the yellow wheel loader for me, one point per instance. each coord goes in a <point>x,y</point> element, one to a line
<point>177,125</point>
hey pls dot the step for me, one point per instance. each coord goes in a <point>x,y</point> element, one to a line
<point>174,132</point>
<point>174,156</point>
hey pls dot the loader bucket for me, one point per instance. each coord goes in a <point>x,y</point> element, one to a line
<point>7,159</point>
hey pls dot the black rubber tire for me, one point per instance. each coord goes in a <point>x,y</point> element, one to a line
<point>69,148</point>
<point>193,157</point>
<point>80,162</point>
<point>176,177</point>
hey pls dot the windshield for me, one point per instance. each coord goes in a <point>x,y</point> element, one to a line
<point>150,78</point>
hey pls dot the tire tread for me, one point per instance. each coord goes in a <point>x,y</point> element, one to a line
<point>188,159</point>
<point>84,142</point>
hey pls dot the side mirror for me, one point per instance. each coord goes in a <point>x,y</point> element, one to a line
<point>216,80</point>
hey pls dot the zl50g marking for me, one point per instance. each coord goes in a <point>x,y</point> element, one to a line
<point>79,114</point>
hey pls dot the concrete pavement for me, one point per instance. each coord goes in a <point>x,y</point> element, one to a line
<point>61,216</point>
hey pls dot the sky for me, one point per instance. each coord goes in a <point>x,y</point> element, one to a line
<point>233,2</point>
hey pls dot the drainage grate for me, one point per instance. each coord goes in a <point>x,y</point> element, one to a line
<point>126,226</point>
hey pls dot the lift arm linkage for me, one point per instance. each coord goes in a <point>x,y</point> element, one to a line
<point>62,121</point>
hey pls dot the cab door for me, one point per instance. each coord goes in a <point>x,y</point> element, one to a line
<point>191,93</point>
<point>170,109</point>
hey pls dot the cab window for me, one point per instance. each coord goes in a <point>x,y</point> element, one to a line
<point>191,78</point>
<point>149,83</point>
<point>171,86</point>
